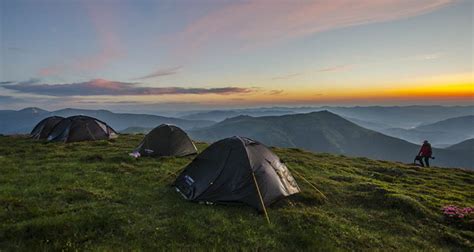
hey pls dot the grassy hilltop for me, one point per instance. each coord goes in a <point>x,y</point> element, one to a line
<point>92,195</point>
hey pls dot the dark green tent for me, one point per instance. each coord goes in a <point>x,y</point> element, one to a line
<point>236,169</point>
<point>81,128</point>
<point>44,127</point>
<point>166,140</point>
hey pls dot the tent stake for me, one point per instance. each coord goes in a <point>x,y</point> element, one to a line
<point>311,184</point>
<point>260,196</point>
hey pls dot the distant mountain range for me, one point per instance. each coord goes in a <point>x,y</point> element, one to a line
<point>135,130</point>
<point>377,126</point>
<point>463,124</point>
<point>464,145</point>
<point>411,123</point>
<point>372,117</point>
<point>442,133</point>
<point>403,117</point>
<point>326,132</point>
<point>219,115</point>
<point>22,121</point>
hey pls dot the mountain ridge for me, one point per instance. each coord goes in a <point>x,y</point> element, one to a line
<point>444,132</point>
<point>325,132</point>
<point>396,116</point>
<point>464,145</point>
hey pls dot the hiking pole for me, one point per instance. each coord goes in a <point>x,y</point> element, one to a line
<point>311,184</point>
<point>260,196</point>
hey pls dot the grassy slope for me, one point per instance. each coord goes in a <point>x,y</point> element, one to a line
<point>92,195</point>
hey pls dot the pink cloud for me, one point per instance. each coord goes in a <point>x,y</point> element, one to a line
<point>103,19</point>
<point>51,70</point>
<point>105,84</point>
<point>256,22</point>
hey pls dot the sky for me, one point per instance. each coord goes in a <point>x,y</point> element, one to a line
<point>201,54</point>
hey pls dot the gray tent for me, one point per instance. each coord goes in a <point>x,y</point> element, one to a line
<point>81,128</point>
<point>44,127</point>
<point>236,169</point>
<point>166,140</point>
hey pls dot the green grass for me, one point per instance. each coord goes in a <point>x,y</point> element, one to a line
<point>93,196</point>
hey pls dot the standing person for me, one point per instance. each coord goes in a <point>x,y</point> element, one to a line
<point>425,154</point>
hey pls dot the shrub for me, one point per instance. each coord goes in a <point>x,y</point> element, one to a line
<point>458,213</point>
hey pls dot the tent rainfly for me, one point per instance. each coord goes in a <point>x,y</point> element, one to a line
<point>236,169</point>
<point>166,140</point>
<point>81,128</point>
<point>44,127</point>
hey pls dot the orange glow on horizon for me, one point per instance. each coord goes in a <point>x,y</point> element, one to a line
<point>454,88</point>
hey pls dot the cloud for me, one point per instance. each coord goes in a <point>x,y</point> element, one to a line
<point>27,82</point>
<point>275,92</point>
<point>12,48</point>
<point>51,70</point>
<point>259,22</point>
<point>116,88</point>
<point>429,56</point>
<point>338,68</point>
<point>5,99</point>
<point>82,101</point>
<point>161,72</point>
<point>17,49</point>
<point>30,81</point>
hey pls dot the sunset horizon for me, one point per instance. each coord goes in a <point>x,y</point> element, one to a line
<point>90,54</point>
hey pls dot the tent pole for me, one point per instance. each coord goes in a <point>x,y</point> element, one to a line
<point>311,184</point>
<point>260,196</point>
<point>90,132</point>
